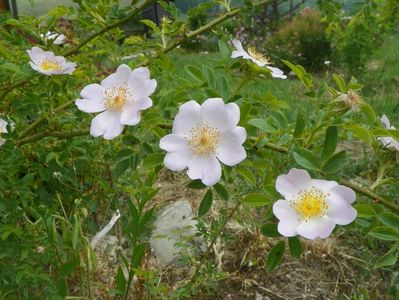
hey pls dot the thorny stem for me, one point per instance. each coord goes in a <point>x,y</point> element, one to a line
<point>135,10</point>
<point>206,27</point>
<point>210,247</point>
<point>42,118</point>
<point>59,134</point>
<point>173,45</point>
<point>355,186</point>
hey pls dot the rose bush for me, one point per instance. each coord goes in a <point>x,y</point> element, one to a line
<point>64,173</point>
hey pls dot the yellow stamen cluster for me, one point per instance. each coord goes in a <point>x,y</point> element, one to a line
<point>258,56</point>
<point>116,97</point>
<point>311,203</point>
<point>354,100</point>
<point>203,139</point>
<point>50,65</point>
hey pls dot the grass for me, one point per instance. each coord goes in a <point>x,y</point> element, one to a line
<point>380,79</point>
<point>41,7</point>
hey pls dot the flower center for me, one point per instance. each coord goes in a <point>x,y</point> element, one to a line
<point>116,97</point>
<point>258,56</point>
<point>203,139</point>
<point>50,65</point>
<point>311,203</point>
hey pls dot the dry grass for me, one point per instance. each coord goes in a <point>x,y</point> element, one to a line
<point>328,269</point>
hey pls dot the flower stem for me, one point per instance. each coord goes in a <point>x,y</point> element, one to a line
<point>59,134</point>
<point>355,186</point>
<point>209,248</point>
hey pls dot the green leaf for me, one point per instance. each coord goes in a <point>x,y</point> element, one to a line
<point>68,268</point>
<point>275,256</point>
<point>389,219</point>
<point>223,48</point>
<point>295,245</point>
<point>335,163</point>
<point>256,199</point>
<point>196,184</point>
<point>75,231</point>
<point>365,211</point>
<point>120,281</point>
<point>153,159</point>
<point>390,258</point>
<point>150,24</point>
<point>138,253</point>
<point>384,233</point>
<point>247,174</point>
<point>386,132</point>
<point>221,191</point>
<point>262,124</point>
<point>299,125</point>
<point>369,112</point>
<point>307,159</point>
<point>195,73</point>
<point>206,203</point>
<point>330,142</point>
<point>340,82</point>
<point>270,230</point>
<point>362,133</point>
<point>301,73</point>
<point>121,167</point>
<point>272,100</point>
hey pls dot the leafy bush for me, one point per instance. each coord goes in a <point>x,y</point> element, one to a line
<point>88,126</point>
<point>302,40</point>
<point>355,37</point>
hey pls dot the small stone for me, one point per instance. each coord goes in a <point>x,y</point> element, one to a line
<point>174,234</point>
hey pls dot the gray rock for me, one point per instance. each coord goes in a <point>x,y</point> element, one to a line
<point>173,237</point>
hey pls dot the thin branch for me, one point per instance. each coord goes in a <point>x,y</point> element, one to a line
<point>350,184</point>
<point>135,10</point>
<point>42,118</point>
<point>58,134</point>
<point>200,30</point>
<point>209,248</point>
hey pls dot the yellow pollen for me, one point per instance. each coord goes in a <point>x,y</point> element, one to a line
<point>311,203</point>
<point>50,65</point>
<point>354,99</point>
<point>259,56</point>
<point>203,139</point>
<point>115,98</point>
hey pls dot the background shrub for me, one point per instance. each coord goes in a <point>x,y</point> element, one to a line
<point>302,40</point>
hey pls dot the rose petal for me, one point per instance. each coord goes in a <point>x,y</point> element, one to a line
<point>290,184</point>
<point>106,124</point>
<point>316,227</point>
<point>187,117</point>
<point>173,142</point>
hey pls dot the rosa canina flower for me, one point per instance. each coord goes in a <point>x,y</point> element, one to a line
<point>47,63</point>
<point>120,98</point>
<point>388,141</point>
<point>312,207</point>
<point>260,59</point>
<point>3,129</point>
<point>57,38</point>
<point>203,135</point>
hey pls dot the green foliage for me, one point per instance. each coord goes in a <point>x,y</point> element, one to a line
<point>302,40</point>
<point>59,186</point>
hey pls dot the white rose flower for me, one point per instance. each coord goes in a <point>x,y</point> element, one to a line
<point>47,63</point>
<point>312,207</point>
<point>57,38</point>
<point>388,141</point>
<point>203,135</point>
<point>256,57</point>
<point>3,129</point>
<point>121,97</point>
